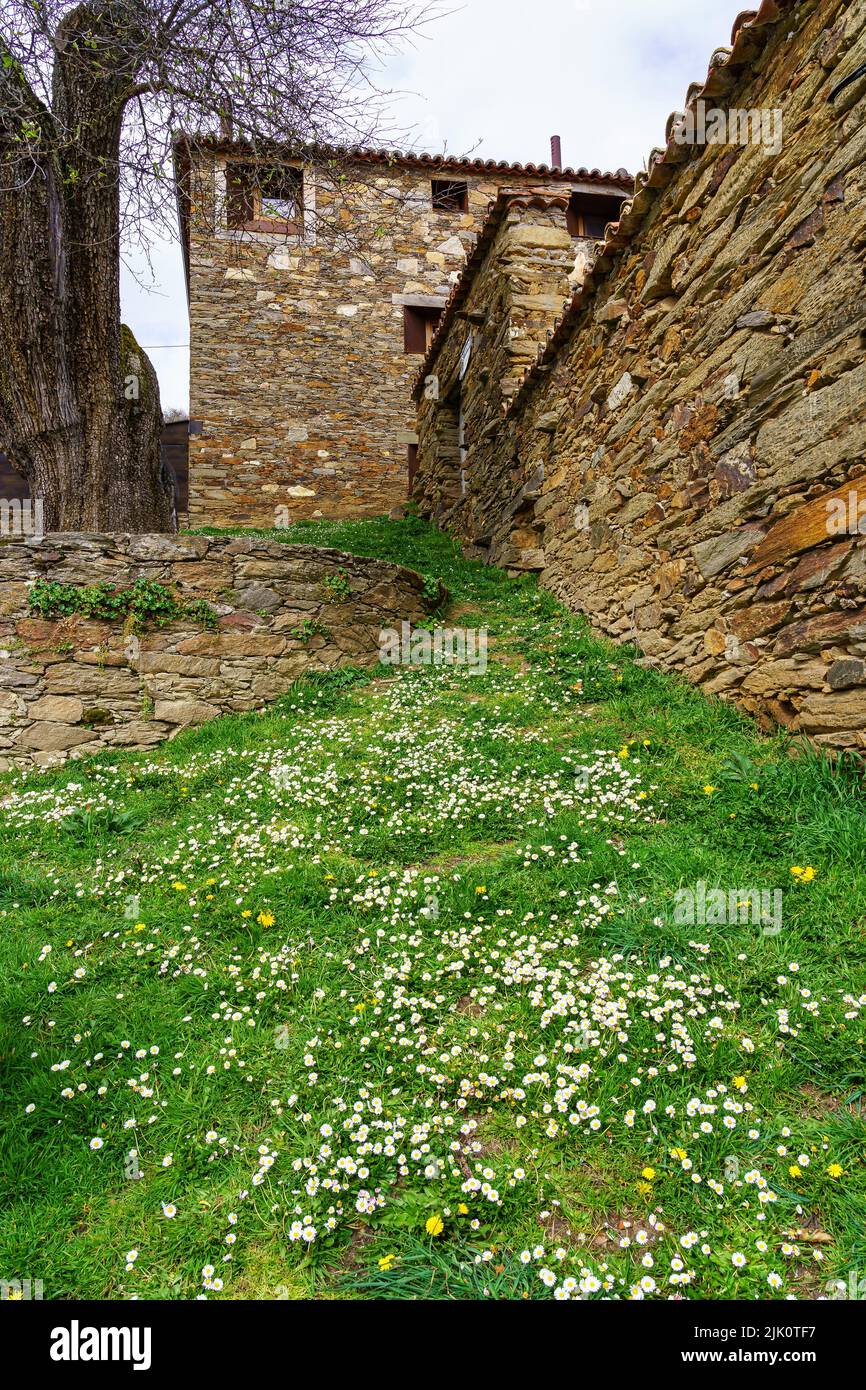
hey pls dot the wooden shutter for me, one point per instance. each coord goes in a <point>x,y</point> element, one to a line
<point>239,195</point>
<point>414,330</point>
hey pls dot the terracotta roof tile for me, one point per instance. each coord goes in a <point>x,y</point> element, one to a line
<point>421,158</point>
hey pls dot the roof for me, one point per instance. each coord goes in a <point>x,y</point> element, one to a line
<point>433,162</point>
<point>751,32</point>
<point>184,142</point>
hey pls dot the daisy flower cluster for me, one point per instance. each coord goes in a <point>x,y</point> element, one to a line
<point>347,1019</point>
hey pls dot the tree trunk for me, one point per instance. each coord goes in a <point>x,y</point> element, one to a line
<point>80,415</point>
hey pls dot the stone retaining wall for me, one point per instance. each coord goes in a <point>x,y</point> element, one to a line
<point>686,461</point>
<point>75,686</point>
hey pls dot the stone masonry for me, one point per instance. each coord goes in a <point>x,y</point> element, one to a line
<point>685,459</point>
<point>299,371</point>
<point>74,686</point>
<point>495,321</point>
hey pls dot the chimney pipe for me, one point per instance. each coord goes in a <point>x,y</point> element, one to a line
<point>556,152</point>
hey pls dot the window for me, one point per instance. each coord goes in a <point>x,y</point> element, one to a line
<point>594,224</point>
<point>419,325</point>
<point>588,216</point>
<point>260,198</point>
<point>449,196</point>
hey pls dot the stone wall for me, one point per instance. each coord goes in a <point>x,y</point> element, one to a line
<point>497,318</point>
<point>74,686</point>
<point>299,373</point>
<point>687,457</point>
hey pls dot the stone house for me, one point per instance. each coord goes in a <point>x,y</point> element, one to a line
<point>312,299</point>
<point>677,444</point>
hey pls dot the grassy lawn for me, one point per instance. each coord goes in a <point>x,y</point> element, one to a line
<point>385,992</point>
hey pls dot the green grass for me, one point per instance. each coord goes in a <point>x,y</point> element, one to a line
<point>393,907</point>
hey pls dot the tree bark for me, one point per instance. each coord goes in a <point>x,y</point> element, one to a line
<point>80,415</point>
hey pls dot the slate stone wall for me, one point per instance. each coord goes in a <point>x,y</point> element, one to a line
<point>299,373</point>
<point>686,461</point>
<point>74,686</point>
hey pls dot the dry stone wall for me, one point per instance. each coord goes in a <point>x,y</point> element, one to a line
<point>73,686</point>
<point>498,318</point>
<point>686,461</point>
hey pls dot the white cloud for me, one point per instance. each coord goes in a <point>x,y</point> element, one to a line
<point>498,78</point>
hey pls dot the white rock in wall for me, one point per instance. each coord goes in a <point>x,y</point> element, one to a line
<point>281,259</point>
<point>620,392</point>
<point>452,247</point>
<point>582,262</point>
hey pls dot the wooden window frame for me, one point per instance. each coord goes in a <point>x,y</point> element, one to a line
<point>453,195</point>
<point>244,189</point>
<point>582,205</point>
<point>419,325</point>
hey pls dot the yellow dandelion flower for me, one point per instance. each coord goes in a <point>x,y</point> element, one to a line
<point>709,789</point>
<point>386,1262</point>
<point>835,1170</point>
<point>266,919</point>
<point>462,1209</point>
<point>795,1170</point>
<point>648,1173</point>
<point>435,1226</point>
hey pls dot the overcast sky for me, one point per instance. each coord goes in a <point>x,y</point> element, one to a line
<point>497,78</point>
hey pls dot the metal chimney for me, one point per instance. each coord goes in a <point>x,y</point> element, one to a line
<point>556,152</point>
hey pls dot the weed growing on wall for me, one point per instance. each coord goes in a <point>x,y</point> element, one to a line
<point>143,602</point>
